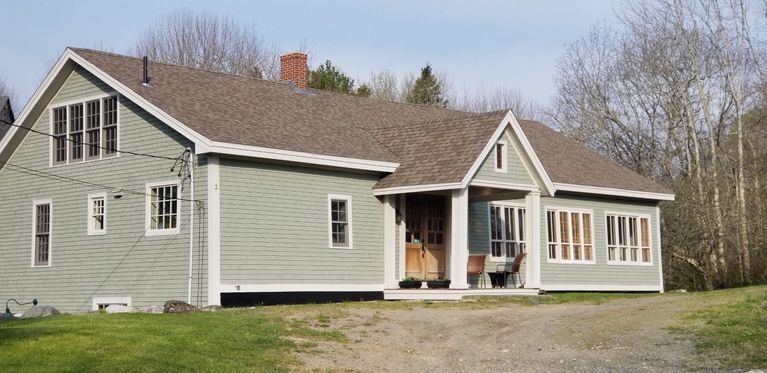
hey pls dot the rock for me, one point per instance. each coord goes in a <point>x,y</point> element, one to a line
<point>211,308</point>
<point>179,306</point>
<point>119,308</point>
<point>40,311</point>
<point>149,309</point>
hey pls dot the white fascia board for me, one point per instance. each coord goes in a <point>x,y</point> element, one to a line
<point>416,188</point>
<point>279,288</point>
<point>41,89</point>
<point>511,120</point>
<point>614,192</point>
<point>502,185</point>
<point>606,287</point>
<point>300,157</point>
<point>201,142</point>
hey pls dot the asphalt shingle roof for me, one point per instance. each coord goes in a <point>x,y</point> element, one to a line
<point>433,145</point>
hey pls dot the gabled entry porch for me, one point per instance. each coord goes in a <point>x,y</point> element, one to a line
<point>428,237</point>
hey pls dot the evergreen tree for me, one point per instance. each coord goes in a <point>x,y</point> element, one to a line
<point>427,89</point>
<point>328,78</point>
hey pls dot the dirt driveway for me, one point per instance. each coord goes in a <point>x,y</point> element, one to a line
<point>619,335</point>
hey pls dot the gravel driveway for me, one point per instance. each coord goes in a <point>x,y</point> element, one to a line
<point>620,335</point>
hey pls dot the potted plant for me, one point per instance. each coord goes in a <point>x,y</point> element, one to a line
<point>442,283</point>
<point>410,282</point>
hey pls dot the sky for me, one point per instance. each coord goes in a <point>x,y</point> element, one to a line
<point>476,44</point>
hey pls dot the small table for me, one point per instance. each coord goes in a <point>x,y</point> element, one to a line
<point>498,278</point>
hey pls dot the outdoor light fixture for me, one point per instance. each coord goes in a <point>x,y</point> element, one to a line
<point>8,310</point>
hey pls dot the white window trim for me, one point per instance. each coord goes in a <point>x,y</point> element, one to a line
<point>639,228</point>
<point>348,199</point>
<point>35,203</point>
<point>504,156</point>
<point>110,301</point>
<point>504,259</point>
<point>569,210</point>
<point>82,101</point>
<point>92,231</point>
<point>148,231</point>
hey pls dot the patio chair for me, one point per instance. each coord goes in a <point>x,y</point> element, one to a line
<point>515,269</point>
<point>476,267</point>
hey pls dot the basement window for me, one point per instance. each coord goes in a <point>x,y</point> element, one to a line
<point>101,303</point>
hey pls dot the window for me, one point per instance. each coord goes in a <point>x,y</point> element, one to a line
<point>340,217</point>
<point>41,244</point>
<point>85,131</point>
<point>500,156</point>
<point>507,231</point>
<point>162,208</point>
<point>569,236</point>
<point>97,214</point>
<point>628,239</point>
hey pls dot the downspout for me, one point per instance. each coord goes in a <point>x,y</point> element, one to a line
<point>190,164</point>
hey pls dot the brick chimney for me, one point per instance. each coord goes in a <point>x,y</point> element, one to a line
<point>293,68</point>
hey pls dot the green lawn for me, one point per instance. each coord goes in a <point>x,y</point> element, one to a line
<point>735,333</point>
<point>231,340</point>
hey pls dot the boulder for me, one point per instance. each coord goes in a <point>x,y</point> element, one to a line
<point>178,306</point>
<point>40,311</point>
<point>119,308</point>
<point>6,316</point>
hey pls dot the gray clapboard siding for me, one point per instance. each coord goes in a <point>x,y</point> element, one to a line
<point>600,273</point>
<point>515,168</point>
<point>123,262</point>
<point>274,226</point>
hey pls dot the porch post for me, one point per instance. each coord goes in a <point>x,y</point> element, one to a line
<point>533,233</point>
<point>389,247</point>
<point>459,238</point>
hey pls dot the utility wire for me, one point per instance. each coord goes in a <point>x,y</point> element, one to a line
<point>88,144</point>
<point>43,174</point>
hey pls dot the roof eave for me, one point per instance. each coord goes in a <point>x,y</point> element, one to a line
<point>603,191</point>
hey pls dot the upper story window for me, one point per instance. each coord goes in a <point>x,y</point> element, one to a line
<point>507,231</point>
<point>340,218</point>
<point>570,237</point>
<point>84,131</point>
<point>162,209</point>
<point>500,156</point>
<point>628,239</point>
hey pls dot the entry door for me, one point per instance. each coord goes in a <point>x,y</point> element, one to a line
<point>425,240</point>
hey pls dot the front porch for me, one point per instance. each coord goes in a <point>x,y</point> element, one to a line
<point>430,235</point>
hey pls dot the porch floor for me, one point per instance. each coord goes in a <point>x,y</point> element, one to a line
<point>452,294</point>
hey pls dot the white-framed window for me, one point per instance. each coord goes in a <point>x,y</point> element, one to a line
<point>501,151</point>
<point>85,130</point>
<point>628,239</point>
<point>101,303</point>
<point>162,208</point>
<point>97,214</point>
<point>570,235</point>
<point>340,221</point>
<point>507,231</point>
<point>42,214</point>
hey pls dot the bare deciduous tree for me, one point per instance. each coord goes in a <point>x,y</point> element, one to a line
<point>480,100</point>
<point>207,41</point>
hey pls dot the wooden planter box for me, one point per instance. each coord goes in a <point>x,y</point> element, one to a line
<point>438,284</point>
<point>410,284</point>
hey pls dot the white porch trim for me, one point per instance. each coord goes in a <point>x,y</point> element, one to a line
<point>502,185</point>
<point>613,192</point>
<point>459,238</point>
<point>389,243</point>
<point>533,234</point>
<point>277,288</point>
<point>214,232</point>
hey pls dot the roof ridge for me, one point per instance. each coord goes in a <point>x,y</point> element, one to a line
<point>274,82</point>
<point>464,115</point>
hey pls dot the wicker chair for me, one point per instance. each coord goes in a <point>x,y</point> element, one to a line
<point>476,267</point>
<point>515,269</point>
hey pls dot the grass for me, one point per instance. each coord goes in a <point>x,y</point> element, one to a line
<point>231,340</point>
<point>734,333</point>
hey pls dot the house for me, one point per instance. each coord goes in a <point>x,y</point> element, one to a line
<point>145,181</point>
